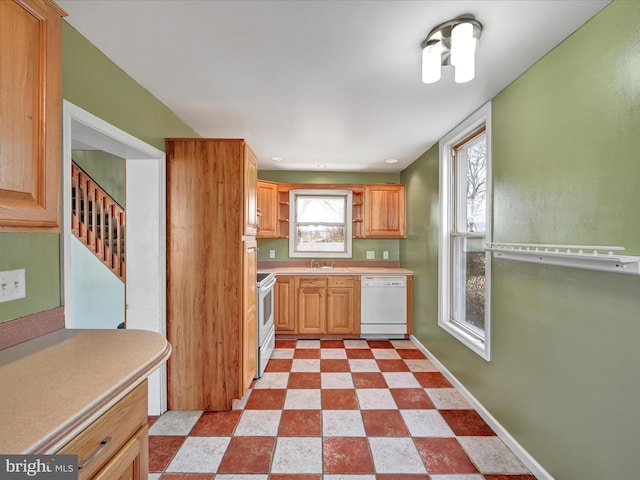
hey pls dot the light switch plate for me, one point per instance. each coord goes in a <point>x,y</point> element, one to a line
<point>12,285</point>
<point>371,254</point>
<point>272,254</point>
<point>385,255</point>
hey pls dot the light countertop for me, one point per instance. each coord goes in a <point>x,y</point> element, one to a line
<point>336,271</point>
<point>55,385</point>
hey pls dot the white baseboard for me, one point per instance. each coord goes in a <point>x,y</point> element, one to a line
<point>502,433</point>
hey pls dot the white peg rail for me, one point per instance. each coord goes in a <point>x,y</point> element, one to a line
<point>589,257</point>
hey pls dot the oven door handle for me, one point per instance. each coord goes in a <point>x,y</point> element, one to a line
<point>269,285</point>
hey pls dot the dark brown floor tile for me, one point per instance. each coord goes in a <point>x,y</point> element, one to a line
<point>410,353</point>
<point>300,423</point>
<point>392,366</point>
<point>216,424</point>
<point>339,399</point>
<point>331,344</point>
<point>444,455</point>
<point>267,399</point>
<point>347,455</point>
<point>379,344</point>
<point>161,451</point>
<point>151,419</point>
<point>248,455</point>
<point>359,353</point>
<point>294,476</point>
<point>368,380</point>
<point>279,365</point>
<point>304,380</point>
<point>402,476</point>
<point>331,365</point>
<point>411,398</point>
<point>432,380</point>
<point>384,423</point>
<point>306,353</point>
<point>467,423</point>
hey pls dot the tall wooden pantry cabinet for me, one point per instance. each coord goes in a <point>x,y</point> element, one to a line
<point>211,271</point>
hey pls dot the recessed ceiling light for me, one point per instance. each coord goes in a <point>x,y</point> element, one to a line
<point>391,160</point>
<point>276,159</point>
<point>322,166</point>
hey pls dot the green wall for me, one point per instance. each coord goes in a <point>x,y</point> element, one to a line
<point>563,375</point>
<point>360,246</point>
<point>107,170</point>
<point>91,81</point>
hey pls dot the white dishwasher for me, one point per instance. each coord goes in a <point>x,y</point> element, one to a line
<point>383,306</point>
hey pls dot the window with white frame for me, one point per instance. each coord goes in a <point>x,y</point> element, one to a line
<point>465,227</point>
<point>320,223</point>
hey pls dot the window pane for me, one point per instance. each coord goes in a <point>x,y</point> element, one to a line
<point>320,238</point>
<point>469,283</point>
<point>323,209</point>
<point>473,159</point>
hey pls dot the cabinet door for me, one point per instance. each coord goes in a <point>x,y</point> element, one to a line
<point>384,211</point>
<point>250,321</point>
<point>131,462</point>
<point>311,304</point>
<point>250,192</point>
<point>340,314</point>
<point>267,208</point>
<point>284,304</point>
<point>30,45</point>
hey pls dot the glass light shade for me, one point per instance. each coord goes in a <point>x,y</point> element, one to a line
<point>461,42</point>
<point>431,62</point>
<point>463,51</point>
<point>465,71</point>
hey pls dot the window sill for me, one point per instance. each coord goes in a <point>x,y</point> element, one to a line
<point>480,347</point>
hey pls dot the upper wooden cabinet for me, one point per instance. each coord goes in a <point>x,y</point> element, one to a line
<point>378,209</point>
<point>267,209</point>
<point>30,110</point>
<point>211,272</point>
<point>250,191</point>
<point>384,211</point>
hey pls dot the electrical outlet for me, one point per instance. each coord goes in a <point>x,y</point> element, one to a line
<point>385,255</point>
<point>12,285</point>
<point>371,255</point>
<point>272,254</point>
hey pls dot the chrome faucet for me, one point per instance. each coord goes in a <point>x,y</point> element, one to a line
<point>314,260</point>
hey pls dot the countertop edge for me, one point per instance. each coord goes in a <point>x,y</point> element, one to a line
<point>62,436</point>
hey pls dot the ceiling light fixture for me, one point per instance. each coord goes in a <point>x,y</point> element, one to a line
<point>391,161</point>
<point>276,159</point>
<point>451,43</point>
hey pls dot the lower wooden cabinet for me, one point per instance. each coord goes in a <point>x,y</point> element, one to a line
<point>317,305</point>
<point>116,445</point>
<point>284,304</point>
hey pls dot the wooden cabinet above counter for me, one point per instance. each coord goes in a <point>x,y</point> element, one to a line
<point>379,210</point>
<point>30,110</point>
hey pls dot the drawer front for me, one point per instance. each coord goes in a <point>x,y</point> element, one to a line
<point>103,438</point>
<point>342,281</point>
<point>312,282</point>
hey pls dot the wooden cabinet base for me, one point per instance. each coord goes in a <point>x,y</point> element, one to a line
<point>116,445</point>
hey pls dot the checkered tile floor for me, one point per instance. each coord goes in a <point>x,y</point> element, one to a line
<point>369,410</point>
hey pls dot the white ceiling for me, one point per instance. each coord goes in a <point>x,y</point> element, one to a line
<point>329,83</point>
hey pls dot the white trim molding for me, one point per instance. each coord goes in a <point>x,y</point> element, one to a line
<point>473,340</point>
<point>502,433</point>
<point>145,228</point>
